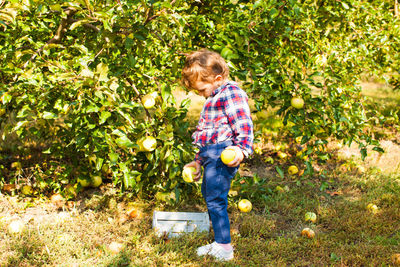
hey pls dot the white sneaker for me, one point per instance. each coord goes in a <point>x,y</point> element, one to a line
<point>217,251</point>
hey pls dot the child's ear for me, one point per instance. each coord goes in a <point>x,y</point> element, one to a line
<point>218,78</point>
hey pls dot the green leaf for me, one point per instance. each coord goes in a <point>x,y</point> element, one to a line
<point>345,6</point>
<point>280,172</point>
<point>102,70</point>
<point>104,115</point>
<point>124,142</point>
<point>99,163</point>
<point>113,158</point>
<point>273,13</point>
<point>49,115</point>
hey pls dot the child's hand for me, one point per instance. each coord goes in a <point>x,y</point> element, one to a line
<point>238,158</point>
<point>198,169</point>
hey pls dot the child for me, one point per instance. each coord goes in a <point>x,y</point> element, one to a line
<point>225,122</point>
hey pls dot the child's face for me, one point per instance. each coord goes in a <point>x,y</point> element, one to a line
<point>205,88</point>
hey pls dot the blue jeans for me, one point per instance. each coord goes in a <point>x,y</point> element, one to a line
<point>215,187</point>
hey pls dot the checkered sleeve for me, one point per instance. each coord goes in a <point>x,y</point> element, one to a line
<point>238,112</point>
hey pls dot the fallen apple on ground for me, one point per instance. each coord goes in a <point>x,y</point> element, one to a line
<point>115,247</point>
<point>372,208</point>
<point>292,170</point>
<point>16,227</point>
<point>310,216</point>
<point>188,174</point>
<point>307,232</point>
<point>245,205</point>
<point>396,259</point>
<point>282,155</point>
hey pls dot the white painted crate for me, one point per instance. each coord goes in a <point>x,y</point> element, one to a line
<point>175,223</point>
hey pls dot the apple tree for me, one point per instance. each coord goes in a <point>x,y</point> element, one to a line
<point>90,82</point>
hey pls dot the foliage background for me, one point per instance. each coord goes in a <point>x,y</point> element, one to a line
<point>73,74</point>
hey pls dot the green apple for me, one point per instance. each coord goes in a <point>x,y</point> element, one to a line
<point>16,227</point>
<point>188,174</point>
<point>96,181</point>
<point>148,143</point>
<point>149,101</point>
<point>282,155</point>
<point>292,170</point>
<point>279,189</point>
<point>27,190</point>
<point>84,182</point>
<point>245,205</point>
<point>310,216</point>
<point>297,102</point>
<point>71,190</point>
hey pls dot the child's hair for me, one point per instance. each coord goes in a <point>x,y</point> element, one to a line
<point>203,65</point>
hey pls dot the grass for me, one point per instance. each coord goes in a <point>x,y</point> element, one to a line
<point>346,232</point>
<point>80,232</point>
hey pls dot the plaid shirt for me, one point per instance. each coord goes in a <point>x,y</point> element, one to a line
<point>225,116</point>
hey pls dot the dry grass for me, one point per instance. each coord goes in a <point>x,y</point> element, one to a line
<point>347,234</point>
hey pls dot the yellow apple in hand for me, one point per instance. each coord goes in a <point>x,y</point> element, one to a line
<point>310,216</point>
<point>245,205</point>
<point>188,174</point>
<point>297,102</point>
<point>228,155</point>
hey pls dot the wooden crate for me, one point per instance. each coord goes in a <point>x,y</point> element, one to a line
<point>175,223</point>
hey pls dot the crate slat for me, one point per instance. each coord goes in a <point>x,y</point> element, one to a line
<point>175,223</point>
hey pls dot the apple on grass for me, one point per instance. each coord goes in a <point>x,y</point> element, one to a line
<point>282,155</point>
<point>16,227</point>
<point>292,170</point>
<point>372,208</point>
<point>307,232</point>
<point>396,259</point>
<point>115,247</point>
<point>310,216</point>
<point>245,205</point>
